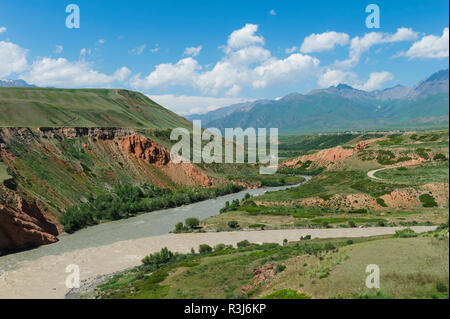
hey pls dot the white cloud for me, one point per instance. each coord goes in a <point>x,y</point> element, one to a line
<point>59,49</point>
<point>360,45</point>
<point>277,71</point>
<point>2,29</point>
<point>138,50</point>
<point>185,104</point>
<point>63,73</point>
<point>375,81</point>
<point>13,58</point>
<point>272,12</point>
<point>101,41</point>
<point>154,50</point>
<point>193,51</point>
<point>291,50</point>
<point>244,37</point>
<point>333,77</point>
<point>84,52</point>
<point>323,41</point>
<point>430,46</point>
<point>245,64</point>
<point>181,73</point>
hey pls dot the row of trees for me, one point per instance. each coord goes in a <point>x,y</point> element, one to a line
<point>127,200</point>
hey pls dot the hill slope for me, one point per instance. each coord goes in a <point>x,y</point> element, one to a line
<point>37,107</point>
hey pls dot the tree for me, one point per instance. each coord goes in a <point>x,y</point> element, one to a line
<point>204,249</point>
<point>179,227</point>
<point>192,222</point>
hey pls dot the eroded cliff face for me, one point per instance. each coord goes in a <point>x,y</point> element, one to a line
<point>24,226</point>
<point>55,168</point>
<point>146,150</point>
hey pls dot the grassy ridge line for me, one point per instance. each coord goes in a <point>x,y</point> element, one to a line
<point>37,107</point>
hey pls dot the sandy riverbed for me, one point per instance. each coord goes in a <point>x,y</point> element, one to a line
<point>45,277</point>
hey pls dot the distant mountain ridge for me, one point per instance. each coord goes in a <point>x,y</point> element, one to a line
<point>343,107</point>
<point>15,83</point>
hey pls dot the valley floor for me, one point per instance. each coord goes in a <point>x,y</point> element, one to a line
<point>97,261</point>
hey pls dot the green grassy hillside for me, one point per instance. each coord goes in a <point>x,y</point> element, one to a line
<point>37,107</point>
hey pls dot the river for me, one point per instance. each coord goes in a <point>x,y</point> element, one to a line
<point>144,225</point>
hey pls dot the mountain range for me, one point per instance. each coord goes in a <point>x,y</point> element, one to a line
<point>14,83</point>
<point>343,107</point>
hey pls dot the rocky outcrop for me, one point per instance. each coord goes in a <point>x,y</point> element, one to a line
<point>146,150</point>
<point>24,227</point>
<point>142,148</point>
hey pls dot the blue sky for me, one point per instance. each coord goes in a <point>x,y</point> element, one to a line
<point>193,56</point>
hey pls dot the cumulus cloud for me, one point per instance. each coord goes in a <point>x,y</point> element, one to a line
<point>246,63</point>
<point>323,41</point>
<point>101,41</point>
<point>188,104</point>
<point>180,73</point>
<point>193,51</point>
<point>13,58</point>
<point>277,71</point>
<point>359,45</point>
<point>430,46</point>
<point>272,12</point>
<point>375,81</point>
<point>138,50</point>
<point>2,29</point>
<point>244,37</point>
<point>63,73</point>
<point>333,77</point>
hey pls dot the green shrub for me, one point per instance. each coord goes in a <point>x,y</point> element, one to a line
<point>279,268</point>
<point>257,226</point>
<point>157,260</point>
<point>439,157</point>
<point>381,202</point>
<point>219,247</point>
<point>423,153</point>
<point>405,233</point>
<point>427,200</point>
<point>192,222</point>
<point>244,243</point>
<point>351,223</point>
<point>204,249</point>
<point>306,237</point>
<point>349,242</point>
<point>179,227</point>
<point>441,287</point>
<point>358,211</point>
<point>233,224</point>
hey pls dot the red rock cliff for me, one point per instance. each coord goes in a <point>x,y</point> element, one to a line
<point>25,226</point>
